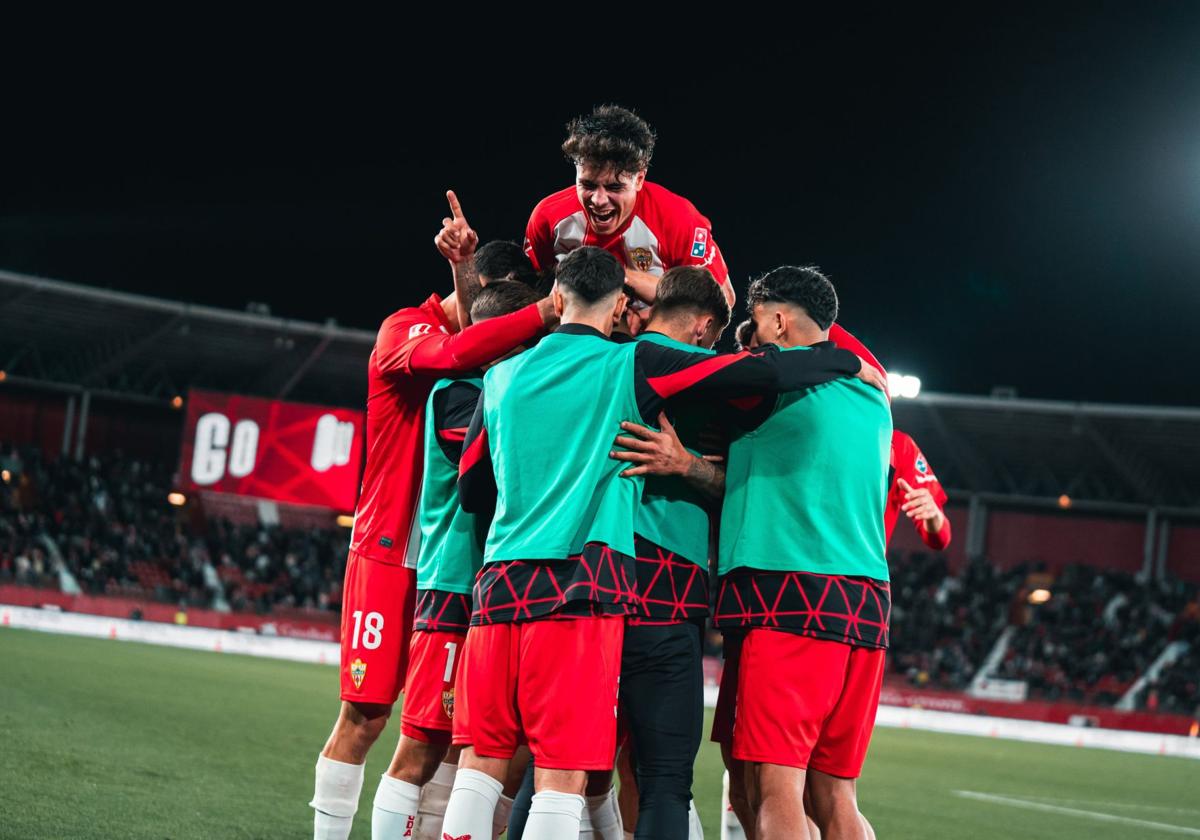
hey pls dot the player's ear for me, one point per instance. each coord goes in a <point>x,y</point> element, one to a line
<point>781,322</point>
<point>556,297</point>
<point>639,179</point>
<point>619,309</point>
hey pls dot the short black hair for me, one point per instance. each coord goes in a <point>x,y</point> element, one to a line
<point>745,334</point>
<point>693,289</point>
<point>803,286</point>
<point>501,297</point>
<point>590,273</point>
<point>610,136</point>
<point>503,260</point>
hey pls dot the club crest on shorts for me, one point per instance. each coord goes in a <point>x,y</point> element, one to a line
<point>641,258</point>
<point>448,702</point>
<point>358,672</point>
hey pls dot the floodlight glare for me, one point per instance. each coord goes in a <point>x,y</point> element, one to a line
<point>902,385</point>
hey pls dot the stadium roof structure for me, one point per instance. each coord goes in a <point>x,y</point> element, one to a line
<point>1111,458</point>
<point>74,337</point>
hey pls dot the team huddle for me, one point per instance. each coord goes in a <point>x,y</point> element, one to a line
<point>561,490</point>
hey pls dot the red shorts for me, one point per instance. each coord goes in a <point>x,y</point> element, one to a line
<point>551,684</point>
<point>722,726</point>
<point>429,688</point>
<point>807,703</point>
<point>378,602</point>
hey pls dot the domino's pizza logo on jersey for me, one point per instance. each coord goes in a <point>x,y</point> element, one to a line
<point>920,464</point>
<point>700,242</point>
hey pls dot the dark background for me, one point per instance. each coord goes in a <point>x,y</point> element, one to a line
<point>1003,197</point>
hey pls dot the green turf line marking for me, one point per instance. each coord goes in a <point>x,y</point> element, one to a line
<point>1075,812</point>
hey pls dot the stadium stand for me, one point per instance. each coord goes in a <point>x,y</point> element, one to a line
<point>103,525</point>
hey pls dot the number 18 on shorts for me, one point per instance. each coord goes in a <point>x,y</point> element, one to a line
<point>377,610</point>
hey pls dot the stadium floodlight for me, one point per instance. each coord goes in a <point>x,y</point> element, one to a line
<point>345,520</point>
<point>903,385</point>
<point>1039,596</point>
<point>176,401</point>
<point>177,499</point>
<point>6,475</point>
<point>1064,501</point>
<point>3,375</point>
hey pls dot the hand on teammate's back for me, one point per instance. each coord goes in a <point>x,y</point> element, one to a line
<point>870,374</point>
<point>654,452</point>
<point>456,241</point>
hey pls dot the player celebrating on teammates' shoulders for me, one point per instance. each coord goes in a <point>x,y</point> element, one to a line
<point>612,206</point>
<point>561,545</point>
<point>415,347</point>
<point>806,691</point>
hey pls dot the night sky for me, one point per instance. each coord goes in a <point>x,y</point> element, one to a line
<point>1001,198</point>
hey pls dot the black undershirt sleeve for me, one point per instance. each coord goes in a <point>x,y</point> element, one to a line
<point>476,479</point>
<point>662,373</point>
<point>453,407</point>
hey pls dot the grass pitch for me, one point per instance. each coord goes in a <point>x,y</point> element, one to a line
<point>109,739</point>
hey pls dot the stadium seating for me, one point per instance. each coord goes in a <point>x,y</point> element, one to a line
<point>107,524</point>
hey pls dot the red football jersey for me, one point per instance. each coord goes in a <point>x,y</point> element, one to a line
<point>908,462</point>
<point>415,348</point>
<point>665,230</point>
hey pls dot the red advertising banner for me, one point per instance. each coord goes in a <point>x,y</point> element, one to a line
<point>288,452</point>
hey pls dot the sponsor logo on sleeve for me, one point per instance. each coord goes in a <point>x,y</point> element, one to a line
<point>419,329</point>
<point>358,672</point>
<point>920,464</point>
<point>700,243</point>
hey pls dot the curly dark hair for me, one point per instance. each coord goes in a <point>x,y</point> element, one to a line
<point>690,288</point>
<point>610,136</point>
<point>803,286</point>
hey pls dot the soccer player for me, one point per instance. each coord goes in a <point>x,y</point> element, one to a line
<point>915,490</point>
<point>804,574</point>
<point>411,798</point>
<point>542,657</point>
<point>612,206</point>
<point>415,347</point>
<point>662,676</point>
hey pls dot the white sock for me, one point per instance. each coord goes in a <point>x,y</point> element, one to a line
<point>695,829</point>
<point>553,816</point>
<point>335,798</point>
<point>472,806</point>
<point>435,795</point>
<point>500,820</point>
<point>601,818</point>
<point>395,810</point>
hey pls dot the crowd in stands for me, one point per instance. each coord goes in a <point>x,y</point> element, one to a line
<point>944,625</point>
<point>1098,632</point>
<point>104,525</point>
